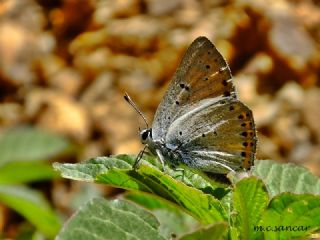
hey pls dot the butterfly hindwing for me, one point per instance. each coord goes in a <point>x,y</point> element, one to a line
<point>216,136</point>
<point>202,74</point>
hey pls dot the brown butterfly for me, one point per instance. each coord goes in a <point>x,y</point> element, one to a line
<point>200,123</point>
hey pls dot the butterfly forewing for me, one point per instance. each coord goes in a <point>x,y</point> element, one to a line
<point>202,74</point>
<point>221,133</point>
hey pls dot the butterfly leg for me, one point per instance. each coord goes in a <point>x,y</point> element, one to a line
<point>138,158</point>
<point>161,158</point>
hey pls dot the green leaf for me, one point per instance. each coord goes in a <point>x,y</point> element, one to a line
<point>291,216</point>
<point>32,205</point>
<point>288,177</point>
<point>117,219</point>
<point>90,169</point>
<point>117,171</point>
<point>250,198</point>
<point>173,221</point>
<point>213,232</point>
<point>84,193</point>
<point>202,206</point>
<point>190,177</point>
<point>22,172</point>
<point>29,144</point>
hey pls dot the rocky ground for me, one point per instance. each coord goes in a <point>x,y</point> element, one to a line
<point>65,65</point>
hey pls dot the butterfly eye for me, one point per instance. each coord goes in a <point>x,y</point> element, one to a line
<point>145,135</point>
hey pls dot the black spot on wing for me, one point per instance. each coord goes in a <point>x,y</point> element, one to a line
<point>245,134</point>
<point>227,94</point>
<point>224,83</point>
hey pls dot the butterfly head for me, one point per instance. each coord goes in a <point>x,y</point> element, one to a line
<point>145,135</point>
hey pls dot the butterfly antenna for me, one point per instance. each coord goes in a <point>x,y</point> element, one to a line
<point>129,100</point>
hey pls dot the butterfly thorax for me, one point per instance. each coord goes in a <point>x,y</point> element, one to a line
<point>159,148</point>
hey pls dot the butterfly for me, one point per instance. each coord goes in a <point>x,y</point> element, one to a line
<point>200,123</point>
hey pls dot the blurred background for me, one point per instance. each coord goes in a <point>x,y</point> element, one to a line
<point>65,65</point>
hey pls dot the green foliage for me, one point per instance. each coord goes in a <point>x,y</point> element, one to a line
<point>24,155</point>
<point>192,206</point>
<point>299,213</point>
<point>250,199</point>
<point>117,219</point>
<point>29,144</point>
<point>22,172</point>
<point>213,232</point>
<point>147,178</point>
<point>33,206</point>
<point>172,219</point>
<point>289,177</point>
